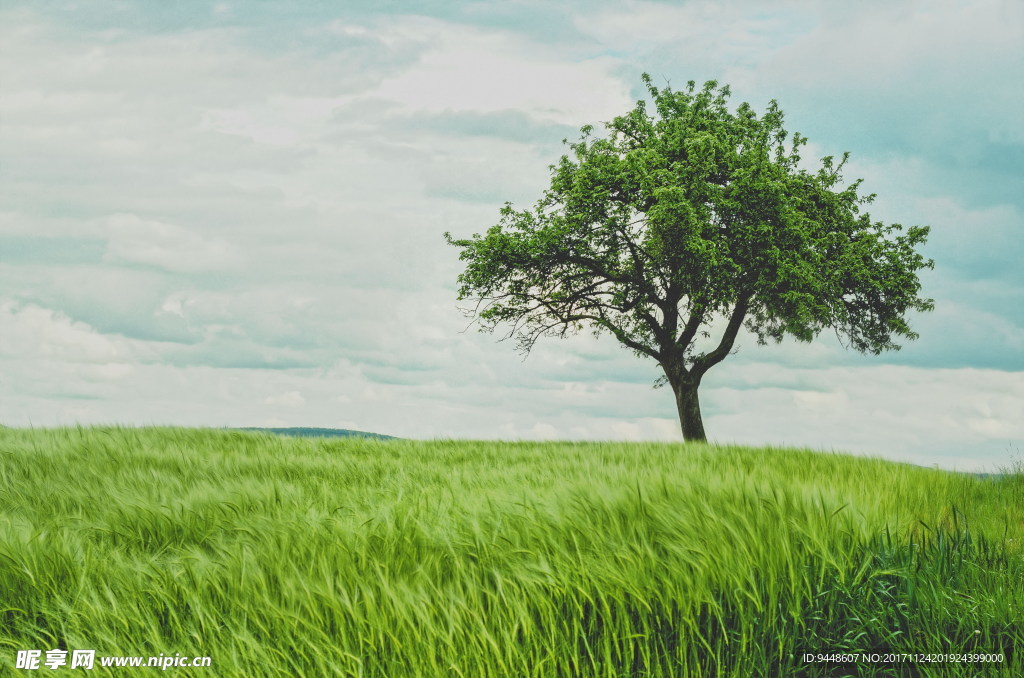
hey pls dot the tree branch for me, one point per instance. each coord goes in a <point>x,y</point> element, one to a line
<point>692,325</point>
<point>709,360</point>
<point>566,317</point>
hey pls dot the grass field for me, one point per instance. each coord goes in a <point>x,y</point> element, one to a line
<point>298,557</point>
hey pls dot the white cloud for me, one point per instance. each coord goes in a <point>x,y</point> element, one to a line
<point>817,403</point>
<point>727,31</point>
<point>472,69</point>
<point>903,44</point>
<point>291,399</point>
<point>279,121</point>
<point>174,305</point>
<point>963,418</point>
<point>45,354</point>
<point>167,246</point>
<point>33,331</point>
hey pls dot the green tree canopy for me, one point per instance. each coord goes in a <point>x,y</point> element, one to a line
<point>683,225</point>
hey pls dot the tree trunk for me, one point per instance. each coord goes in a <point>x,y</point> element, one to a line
<point>688,405</point>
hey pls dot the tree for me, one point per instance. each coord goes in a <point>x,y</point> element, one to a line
<point>690,221</point>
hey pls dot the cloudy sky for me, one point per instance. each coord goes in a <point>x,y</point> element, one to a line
<point>231,214</point>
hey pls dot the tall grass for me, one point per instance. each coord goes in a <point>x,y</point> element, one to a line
<point>284,557</point>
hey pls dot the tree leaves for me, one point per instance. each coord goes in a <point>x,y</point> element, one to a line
<point>696,212</point>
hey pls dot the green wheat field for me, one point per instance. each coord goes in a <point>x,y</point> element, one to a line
<point>393,558</point>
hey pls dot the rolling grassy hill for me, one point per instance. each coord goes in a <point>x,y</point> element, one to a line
<point>308,432</point>
<point>283,556</point>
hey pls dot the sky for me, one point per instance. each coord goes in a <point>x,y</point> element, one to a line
<point>231,213</point>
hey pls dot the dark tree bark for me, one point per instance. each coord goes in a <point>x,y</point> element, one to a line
<point>685,384</point>
<point>686,381</point>
<point>688,404</point>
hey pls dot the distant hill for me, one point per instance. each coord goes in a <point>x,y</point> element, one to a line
<point>306,432</point>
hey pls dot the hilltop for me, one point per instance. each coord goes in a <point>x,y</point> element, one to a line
<point>312,432</point>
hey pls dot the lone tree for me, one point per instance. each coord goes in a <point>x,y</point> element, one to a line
<point>676,229</point>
